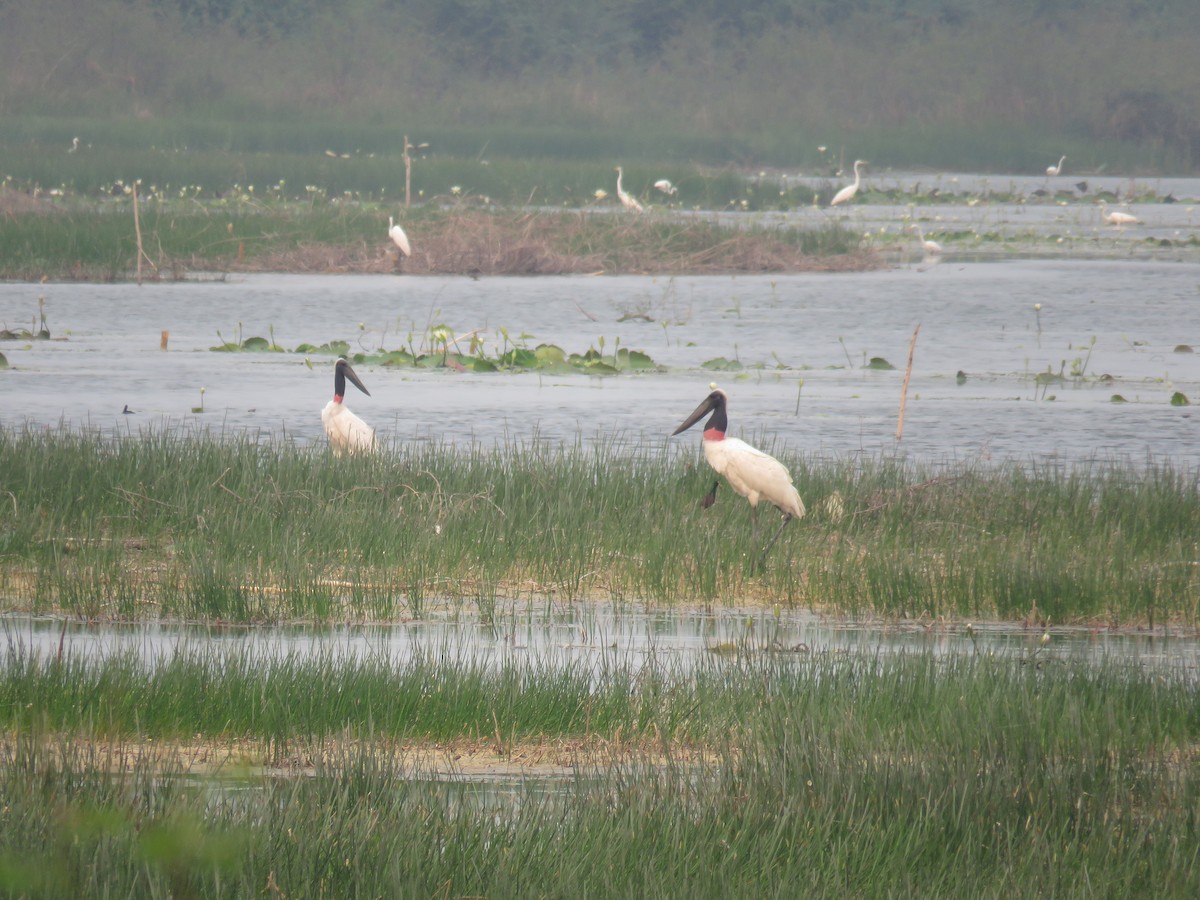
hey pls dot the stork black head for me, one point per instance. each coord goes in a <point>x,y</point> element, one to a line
<point>341,372</point>
<point>714,403</point>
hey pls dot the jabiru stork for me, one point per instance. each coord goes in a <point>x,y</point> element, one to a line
<point>755,475</point>
<point>347,432</point>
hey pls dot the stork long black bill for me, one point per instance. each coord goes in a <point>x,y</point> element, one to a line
<point>341,373</point>
<point>713,403</point>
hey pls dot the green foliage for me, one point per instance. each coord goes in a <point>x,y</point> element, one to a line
<point>189,526</point>
<point>858,774</point>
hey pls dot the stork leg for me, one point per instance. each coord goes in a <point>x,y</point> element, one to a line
<point>787,517</point>
<point>711,497</point>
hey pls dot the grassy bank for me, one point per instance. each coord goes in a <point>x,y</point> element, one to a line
<point>969,776</point>
<point>97,240</point>
<point>195,527</point>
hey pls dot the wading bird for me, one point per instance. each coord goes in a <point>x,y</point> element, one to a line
<point>347,432</point>
<point>1054,170</point>
<point>666,187</point>
<point>750,472</point>
<point>399,238</point>
<point>1117,218</point>
<point>627,200</point>
<point>846,194</point>
<point>931,248</point>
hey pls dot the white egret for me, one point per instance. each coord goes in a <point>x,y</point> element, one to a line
<point>627,200</point>
<point>750,472</point>
<point>931,248</point>
<point>347,432</point>
<point>399,238</point>
<point>846,194</point>
<point>1117,218</point>
<point>1054,170</point>
<point>666,187</point>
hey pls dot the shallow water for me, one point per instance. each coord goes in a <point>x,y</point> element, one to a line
<point>809,335</point>
<point>595,634</point>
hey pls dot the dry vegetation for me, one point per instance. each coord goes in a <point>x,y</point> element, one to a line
<point>525,243</point>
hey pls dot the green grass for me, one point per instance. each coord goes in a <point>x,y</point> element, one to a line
<point>200,527</point>
<point>829,774</point>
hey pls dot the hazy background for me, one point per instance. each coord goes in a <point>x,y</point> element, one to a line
<point>997,85</point>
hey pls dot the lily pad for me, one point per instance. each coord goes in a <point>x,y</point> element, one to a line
<point>548,354</point>
<point>333,348</point>
<point>878,362</point>
<point>721,364</point>
<point>478,364</point>
<point>396,358</point>
<point>1117,398</point>
<point>1050,378</point>
<point>259,345</point>
<point>1180,399</point>
<point>635,360</point>
<point>3,361</point>
<point>519,358</point>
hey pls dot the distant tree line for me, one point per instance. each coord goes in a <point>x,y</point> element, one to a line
<point>770,72</point>
<point>509,36</point>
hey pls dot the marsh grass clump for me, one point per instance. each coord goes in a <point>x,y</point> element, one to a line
<point>199,525</point>
<point>214,772</point>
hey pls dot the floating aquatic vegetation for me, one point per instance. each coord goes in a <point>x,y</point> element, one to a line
<point>249,345</point>
<point>442,351</point>
<point>721,364</point>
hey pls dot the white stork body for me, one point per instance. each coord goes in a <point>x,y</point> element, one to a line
<point>1117,218</point>
<point>1054,170</point>
<point>666,187</point>
<point>347,432</point>
<point>399,238</point>
<point>755,475</point>
<point>846,194</point>
<point>629,201</point>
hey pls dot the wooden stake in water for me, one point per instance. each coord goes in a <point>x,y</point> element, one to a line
<point>912,345</point>
<point>137,231</point>
<point>407,172</point>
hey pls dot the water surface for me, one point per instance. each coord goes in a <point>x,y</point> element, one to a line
<point>803,340</point>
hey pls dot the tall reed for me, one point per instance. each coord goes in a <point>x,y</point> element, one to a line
<point>827,773</point>
<point>211,527</point>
